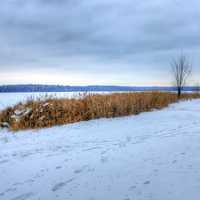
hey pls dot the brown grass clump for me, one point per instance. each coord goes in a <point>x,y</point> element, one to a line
<point>51,112</point>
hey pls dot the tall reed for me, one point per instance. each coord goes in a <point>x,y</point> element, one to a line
<point>51,112</point>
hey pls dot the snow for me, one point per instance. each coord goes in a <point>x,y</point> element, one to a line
<point>153,155</point>
<point>9,99</point>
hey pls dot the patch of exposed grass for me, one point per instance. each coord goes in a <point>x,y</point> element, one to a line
<point>51,112</point>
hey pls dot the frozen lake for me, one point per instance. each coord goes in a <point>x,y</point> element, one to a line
<point>9,99</point>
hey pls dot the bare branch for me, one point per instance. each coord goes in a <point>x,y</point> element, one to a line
<point>181,70</point>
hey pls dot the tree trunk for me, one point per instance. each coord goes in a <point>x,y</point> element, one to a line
<point>179,92</point>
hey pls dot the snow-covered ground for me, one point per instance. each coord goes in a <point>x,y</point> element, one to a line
<point>9,99</point>
<point>153,155</point>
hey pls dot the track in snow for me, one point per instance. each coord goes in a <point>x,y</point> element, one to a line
<point>153,155</point>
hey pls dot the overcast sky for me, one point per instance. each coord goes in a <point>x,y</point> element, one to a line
<point>83,42</point>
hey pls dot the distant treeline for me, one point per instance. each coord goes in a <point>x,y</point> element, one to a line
<point>61,88</point>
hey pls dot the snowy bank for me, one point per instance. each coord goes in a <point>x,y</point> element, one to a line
<point>153,155</point>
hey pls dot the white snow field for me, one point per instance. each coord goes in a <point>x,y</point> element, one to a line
<point>154,155</point>
<point>9,99</point>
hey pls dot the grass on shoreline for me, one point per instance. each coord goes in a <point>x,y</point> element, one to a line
<point>50,112</point>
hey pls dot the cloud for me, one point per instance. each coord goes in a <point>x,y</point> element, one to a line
<point>94,36</point>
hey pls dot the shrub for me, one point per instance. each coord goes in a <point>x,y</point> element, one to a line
<point>50,112</point>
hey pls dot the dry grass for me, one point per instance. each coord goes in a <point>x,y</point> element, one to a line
<point>51,112</point>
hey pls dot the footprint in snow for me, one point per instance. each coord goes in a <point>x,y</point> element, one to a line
<point>77,171</point>
<point>2,194</point>
<point>104,159</point>
<point>128,138</point>
<point>122,144</point>
<point>17,183</point>
<point>132,187</point>
<point>60,185</point>
<point>29,181</point>
<point>23,196</point>
<point>174,161</point>
<point>11,189</point>
<point>3,161</point>
<point>147,182</point>
<point>103,152</point>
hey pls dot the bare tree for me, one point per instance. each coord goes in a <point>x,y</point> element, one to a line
<point>181,69</point>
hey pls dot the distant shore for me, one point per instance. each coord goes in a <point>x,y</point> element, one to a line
<point>100,88</point>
